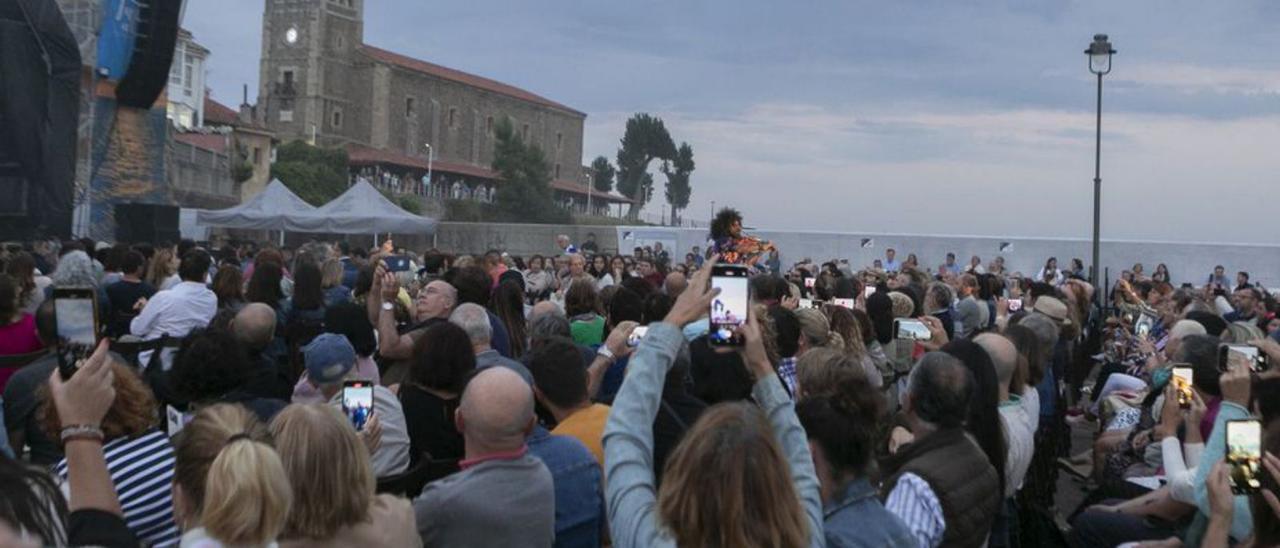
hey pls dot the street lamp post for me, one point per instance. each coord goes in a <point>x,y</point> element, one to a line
<point>1099,53</point>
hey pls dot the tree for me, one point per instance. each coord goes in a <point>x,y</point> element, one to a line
<point>645,139</point>
<point>602,173</point>
<point>678,171</point>
<point>316,175</point>
<point>525,190</point>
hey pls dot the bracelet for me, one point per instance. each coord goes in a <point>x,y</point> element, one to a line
<point>81,432</point>
<point>605,353</point>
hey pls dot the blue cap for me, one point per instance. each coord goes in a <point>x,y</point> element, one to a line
<point>328,358</point>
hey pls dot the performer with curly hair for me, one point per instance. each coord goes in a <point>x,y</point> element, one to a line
<point>735,247</point>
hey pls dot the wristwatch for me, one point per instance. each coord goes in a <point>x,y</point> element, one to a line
<point>388,307</point>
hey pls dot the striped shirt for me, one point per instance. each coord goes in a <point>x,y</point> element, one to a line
<point>915,503</point>
<point>787,370</point>
<point>141,469</point>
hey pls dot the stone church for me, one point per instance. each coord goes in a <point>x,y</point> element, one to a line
<point>320,81</point>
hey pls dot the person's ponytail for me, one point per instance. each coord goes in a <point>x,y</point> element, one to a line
<point>247,494</point>
<point>834,341</point>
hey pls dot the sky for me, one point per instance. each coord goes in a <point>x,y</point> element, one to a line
<point>920,117</point>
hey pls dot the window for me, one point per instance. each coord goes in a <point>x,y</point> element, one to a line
<point>557,171</point>
<point>288,79</point>
<point>488,125</point>
<point>337,118</point>
<point>408,107</point>
<point>453,117</point>
<point>187,79</point>
<point>257,155</point>
<point>524,133</point>
<point>286,115</point>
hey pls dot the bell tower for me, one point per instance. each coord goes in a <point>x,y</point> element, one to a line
<point>306,44</point>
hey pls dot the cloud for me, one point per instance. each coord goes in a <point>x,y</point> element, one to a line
<point>1192,79</point>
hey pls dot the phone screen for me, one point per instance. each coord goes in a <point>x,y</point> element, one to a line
<point>729,308</point>
<point>1244,454</point>
<point>1182,382</point>
<point>637,335</point>
<point>75,321</point>
<point>1243,355</point>
<point>806,303</point>
<point>912,330</point>
<point>808,282</point>
<point>868,291</point>
<point>397,263</point>
<point>847,303</point>
<point>1015,305</point>
<point>357,402</point>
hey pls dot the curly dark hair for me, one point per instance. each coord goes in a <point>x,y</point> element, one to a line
<point>724,219</point>
<point>209,364</point>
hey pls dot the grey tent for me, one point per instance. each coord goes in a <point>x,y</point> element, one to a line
<point>362,210</point>
<point>275,208</point>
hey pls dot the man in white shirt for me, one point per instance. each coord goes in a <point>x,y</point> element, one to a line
<point>891,265</point>
<point>175,312</point>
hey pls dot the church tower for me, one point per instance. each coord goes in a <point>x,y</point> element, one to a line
<point>307,59</point>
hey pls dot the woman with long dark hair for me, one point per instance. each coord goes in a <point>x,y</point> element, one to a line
<point>307,303</point>
<point>228,285</point>
<point>599,269</point>
<point>507,303</point>
<point>983,422</point>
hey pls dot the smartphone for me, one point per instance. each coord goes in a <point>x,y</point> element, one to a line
<point>1015,305</point>
<point>868,291</point>
<point>1143,326</point>
<point>637,335</point>
<point>729,308</point>
<point>76,313</point>
<point>1182,383</point>
<point>847,303</point>
<point>1244,455</point>
<point>396,263</point>
<point>357,402</point>
<point>809,281</point>
<point>806,303</point>
<point>911,330</point>
<point>1243,354</point>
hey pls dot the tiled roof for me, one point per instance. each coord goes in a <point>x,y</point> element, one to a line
<point>207,141</point>
<point>218,113</point>
<point>570,186</point>
<point>418,65</point>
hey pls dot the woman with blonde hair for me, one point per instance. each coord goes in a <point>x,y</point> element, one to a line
<point>754,458</point>
<point>816,331</point>
<point>333,484</point>
<point>229,488</point>
<point>331,273</point>
<point>162,271</point>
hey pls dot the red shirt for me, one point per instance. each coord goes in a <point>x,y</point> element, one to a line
<point>20,337</point>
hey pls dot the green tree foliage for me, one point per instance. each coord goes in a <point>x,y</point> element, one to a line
<point>316,175</point>
<point>645,139</point>
<point>678,171</point>
<point>602,173</point>
<point>525,190</point>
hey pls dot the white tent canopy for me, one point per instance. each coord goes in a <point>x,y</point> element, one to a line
<point>362,210</point>
<point>272,209</point>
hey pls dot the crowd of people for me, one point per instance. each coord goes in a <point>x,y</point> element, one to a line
<point>573,398</point>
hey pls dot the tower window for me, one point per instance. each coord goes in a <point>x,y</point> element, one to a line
<point>453,117</point>
<point>559,140</point>
<point>524,132</point>
<point>408,107</point>
<point>337,118</point>
<point>557,171</point>
<point>488,125</point>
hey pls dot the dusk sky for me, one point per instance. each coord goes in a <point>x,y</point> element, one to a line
<point>936,117</point>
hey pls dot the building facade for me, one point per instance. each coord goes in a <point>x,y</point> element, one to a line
<point>320,82</point>
<point>186,89</point>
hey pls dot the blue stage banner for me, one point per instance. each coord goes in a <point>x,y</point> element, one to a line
<point>115,42</point>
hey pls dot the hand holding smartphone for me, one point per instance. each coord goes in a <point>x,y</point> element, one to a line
<point>637,335</point>
<point>357,402</point>
<point>1244,355</point>
<point>1182,382</point>
<point>911,330</point>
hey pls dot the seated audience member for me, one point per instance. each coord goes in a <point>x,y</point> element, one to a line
<point>508,303</point>
<point>579,487</point>
<point>475,286</point>
<point>175,312</point>
<point>581,305</point>
<point>126,297</point>
<point>474,319</point>
<point>442,362</point>
<point>433,305</point>
<point>333,485</point>
<point>138,456</point>
<point>1015,418</point>
<point>503,496</point>
<point>349,320</point>
<point>560,385</point>
<point>229,488</point>
<point>841,419</point>
<point>674,285</point>
<point>938,481</point>
<point>332,274</point>
<point>983,418</point>
<point>211,367</point>
<point>21,401</point>
<point>254,327</point>
<point>307,303</point>
<point>755,457</point>
<point>228,286</point>
<point>17,328</point>
<point>330,361</point>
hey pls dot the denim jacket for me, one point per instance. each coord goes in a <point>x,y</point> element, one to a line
<point>579,495</point>
<point>857,519</point>
<point>628,444</point>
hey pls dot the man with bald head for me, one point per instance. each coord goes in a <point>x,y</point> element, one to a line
<point>255,328</point>
<point>1018,417</point>
<point>675,284</point>
<point>503,496</point>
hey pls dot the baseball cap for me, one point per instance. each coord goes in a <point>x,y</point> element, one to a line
<point>328,358</point>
